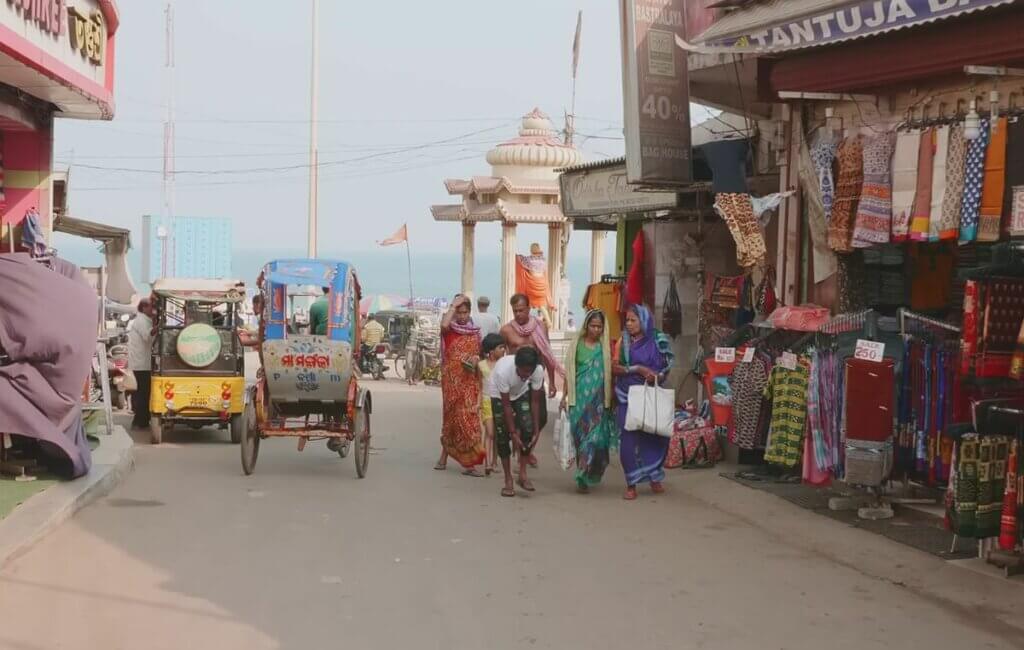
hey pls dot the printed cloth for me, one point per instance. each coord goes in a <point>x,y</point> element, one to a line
<point>993,185</point>
<point>591,418</point>
<point>874,210</point>
<point>738,213</point>
<point>974,173</point>
<point>538,335</point>
<point>904,182</point>
<point>522,417</point>
<point>939,171</point>
<point>920,217</point>
<point>993,452</point>
<point>823,155</point>
<point>787,390</point>
<point>952,201</point>
<point>850,157</point>
<point>748,384</point>
<point>1014,169</point>
<point>460,400</point>
<point>1008,521</point>
<point>532,281</point>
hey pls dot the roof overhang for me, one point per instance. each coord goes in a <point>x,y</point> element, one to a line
<point>91,230</point>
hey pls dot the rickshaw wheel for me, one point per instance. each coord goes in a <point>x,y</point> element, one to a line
<point>156,430</point>
<point>237,426</point>
<point>361,442</point>
<point>400,367</point>
<point>250,440</point>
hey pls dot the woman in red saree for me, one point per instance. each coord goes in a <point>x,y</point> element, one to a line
<point>460,389</point>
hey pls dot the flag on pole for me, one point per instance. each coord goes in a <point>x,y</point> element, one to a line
<point>576,43</point>
<point>401,235</point>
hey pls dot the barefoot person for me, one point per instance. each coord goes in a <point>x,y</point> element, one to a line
<point>644,356</point>
<point>520,412</point>
<point>492,350</point>
<point>460,389</point>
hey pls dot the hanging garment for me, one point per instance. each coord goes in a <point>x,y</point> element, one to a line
<point>1014,171</point>
<point>728,162</point>
<point>823,155</point>
<point>992,187</point>
<point>1008,520</point>
<point>816,452</point>
<point>33,239</point>
<point>823,259</point>
<point>939,172</point>
<point>974,173</point>
<point>787,390</point>
<point>920,216</point>
<point>748,384</point>
<point>932,271</point>
<point>635,277</point>
<point>904,182</point>
<point>874,210</point>
<point>870,387</point>
<point>607,297</point>
<point>848,187</point>
<point>672,310</point>
<point>963,516</point>
<point>952,200</point>
<point>993,452</point>
<point>737,212</point>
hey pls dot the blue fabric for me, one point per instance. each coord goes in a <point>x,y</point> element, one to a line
<point>32,236</point>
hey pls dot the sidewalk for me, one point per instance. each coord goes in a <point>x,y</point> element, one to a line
<point>43,512</point>
<point>965,593</point>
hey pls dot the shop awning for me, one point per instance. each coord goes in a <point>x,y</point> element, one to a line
<point>785,25</point>
<point>90,230</point>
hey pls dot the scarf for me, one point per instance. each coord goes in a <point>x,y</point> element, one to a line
<point>535,332</point>
<point>570,360</point>
<point>468,328</point>
<point>649,341</point>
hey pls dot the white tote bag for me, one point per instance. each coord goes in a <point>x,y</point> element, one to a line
<point>651,409</point>
<point>565,448</point>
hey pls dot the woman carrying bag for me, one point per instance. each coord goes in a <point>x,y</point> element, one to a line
<point>644,357</point>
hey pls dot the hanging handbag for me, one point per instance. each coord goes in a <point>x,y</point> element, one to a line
<point>672,314</point>
<point>651,409</point>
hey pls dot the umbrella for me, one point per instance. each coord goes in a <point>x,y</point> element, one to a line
<point>382,302</point>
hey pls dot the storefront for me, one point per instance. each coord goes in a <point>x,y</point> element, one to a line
<point>56,61</point>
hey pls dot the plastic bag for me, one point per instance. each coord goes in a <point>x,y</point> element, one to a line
<point>565,448</point>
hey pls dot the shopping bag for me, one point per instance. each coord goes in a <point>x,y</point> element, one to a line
<point>565,448</point>
<point>131,383</point>
<point>651,409</point>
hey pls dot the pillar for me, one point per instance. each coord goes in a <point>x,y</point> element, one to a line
<point>555,270</point>
<point>508,268</point>
<point>597,239</point>
<point>468,256</point>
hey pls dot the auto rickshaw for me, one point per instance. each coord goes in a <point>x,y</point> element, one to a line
<point>198,361</point>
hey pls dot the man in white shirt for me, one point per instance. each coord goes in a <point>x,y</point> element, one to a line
<point>487,322</point>
<point>140,361</point>
<point>520,411</point>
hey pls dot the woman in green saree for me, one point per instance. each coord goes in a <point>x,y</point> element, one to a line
<point>588,400</point>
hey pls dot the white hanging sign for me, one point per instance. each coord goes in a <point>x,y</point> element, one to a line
<point>725,355</point>
<point>869,350</point>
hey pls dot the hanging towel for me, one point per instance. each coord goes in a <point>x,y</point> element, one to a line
<point>874,210</point>
<point>991,213</point>
<point>921,214</point>
<point>949,224</point>
<point>974,171</point>
<point>1014,167</point>
<point>938,181</point>
<point>823,155</point>
<point>848,185</point>
<point>904,182</point>
<point>738,213</point>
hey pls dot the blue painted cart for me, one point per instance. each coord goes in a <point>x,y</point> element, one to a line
<point>308,386</point>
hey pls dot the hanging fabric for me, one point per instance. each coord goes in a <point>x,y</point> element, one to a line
<point>874,210</point>
<point>823,155</point>
<point>32,236</point>
<point>848,188</point>
<point>974,173</point>
<point>823,260</point>
<point>1014,173</point>
<point>904,182</point>
<point>939,171</point>
<point>672,310</point>
<point>737,212</point>
<point>993,184</point>
<point>787,390</point>
<point>920,216</point>
<point>635,277</point>
<point>1008,520</point>
<point>748,384</point>
<point>952,200</point>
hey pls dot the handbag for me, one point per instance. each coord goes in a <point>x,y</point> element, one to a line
<point>651,409</point>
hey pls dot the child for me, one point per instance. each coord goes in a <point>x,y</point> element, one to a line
<point>492,349</point>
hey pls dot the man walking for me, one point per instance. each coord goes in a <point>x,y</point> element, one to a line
<point>520,413</point>
<point>525,330</point>
<point>487,322</point>
<point>140,361</point>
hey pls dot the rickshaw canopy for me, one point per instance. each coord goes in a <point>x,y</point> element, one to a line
<point>338,276</point>
<point>198,290</point>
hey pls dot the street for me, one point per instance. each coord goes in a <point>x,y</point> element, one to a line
<point>188,552</point>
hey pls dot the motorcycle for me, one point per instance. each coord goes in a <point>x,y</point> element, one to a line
<point>370,360</point>
<point>117,372</point>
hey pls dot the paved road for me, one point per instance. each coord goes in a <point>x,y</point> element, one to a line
<point>188,553</point>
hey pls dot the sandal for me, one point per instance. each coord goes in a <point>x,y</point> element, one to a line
<point>526,485</point>
<point>630,494</point>
<point>508,492</point>
<point>657,487</point>
<point>439,467</point>
<point>472,472</point>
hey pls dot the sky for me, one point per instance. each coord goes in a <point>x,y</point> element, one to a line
<point>394,78</point>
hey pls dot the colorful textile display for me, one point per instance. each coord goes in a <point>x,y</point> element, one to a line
<point>952,201</point>
<point>1008,520</point>
<point>920,217</point>
<point>802,318</point>
<point>850,157</point>
<point>904,182</point>
<point>748,385</point>
<point>993,452</point>
<point>787,390</point>
<point>939,172</point>
<point>724,291</point>
<point>738,214</point>
<point>874,210</point>
<point>1014,175</point>
<point>993,185</point>
<point>963,515</point>
<point>607,298</point>
<point>635,277</point>
<point>974,173</point>
<point>823,155</point>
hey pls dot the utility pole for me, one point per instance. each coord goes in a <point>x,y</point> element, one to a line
<point>314,166</point>
<point>167,240</point>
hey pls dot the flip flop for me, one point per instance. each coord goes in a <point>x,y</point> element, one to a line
<point>630,494</point>
<point>526,485</point>
<point>508,492</point>
<point>657,487</point>
<point>472,472</point>
<point>439,467</point>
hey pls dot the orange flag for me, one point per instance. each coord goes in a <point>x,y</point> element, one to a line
<point>401,235</point>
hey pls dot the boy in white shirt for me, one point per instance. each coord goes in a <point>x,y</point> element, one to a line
<point>520,411</point>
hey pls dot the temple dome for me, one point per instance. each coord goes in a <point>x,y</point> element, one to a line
<point>536,152</point>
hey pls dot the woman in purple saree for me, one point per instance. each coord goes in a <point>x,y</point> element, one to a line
<point>645,355</point>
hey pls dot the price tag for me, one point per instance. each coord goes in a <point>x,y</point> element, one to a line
<point>869,350</point>
<point>725,355</point>
<point>788,361</point>
<point>748,355</point>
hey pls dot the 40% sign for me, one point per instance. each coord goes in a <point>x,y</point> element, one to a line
<point>661,107</point>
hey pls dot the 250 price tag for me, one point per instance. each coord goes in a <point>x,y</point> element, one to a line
<point>869,350</point>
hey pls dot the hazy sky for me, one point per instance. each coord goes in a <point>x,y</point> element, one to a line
<point>394,75</point>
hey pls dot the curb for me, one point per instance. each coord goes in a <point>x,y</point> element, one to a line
<point>40,515</point>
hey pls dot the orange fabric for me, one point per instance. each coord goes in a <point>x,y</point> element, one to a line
<point>535,287</point>
<point>606,296</point>
<point>993,185</point>
<point>460,401</point>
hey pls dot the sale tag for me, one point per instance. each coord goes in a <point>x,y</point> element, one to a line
<point>725,355</point>
<point>869,350</point>
<point>748,355</point>
<point>788,361</point>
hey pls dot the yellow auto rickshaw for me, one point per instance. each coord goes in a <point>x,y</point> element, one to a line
<point>198,375</point>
